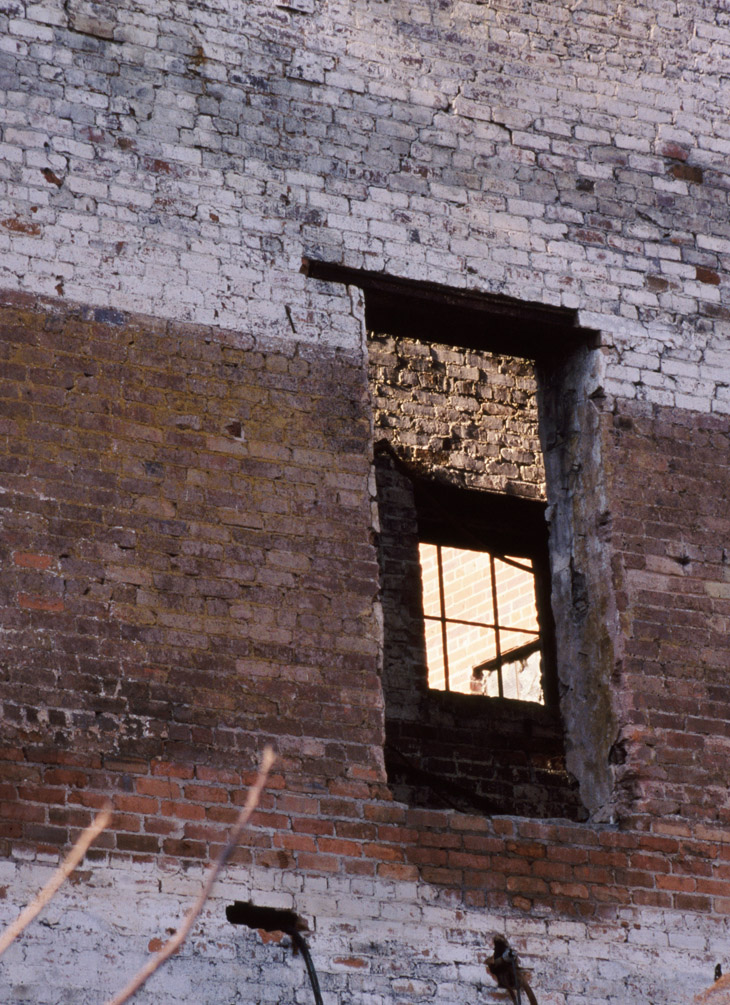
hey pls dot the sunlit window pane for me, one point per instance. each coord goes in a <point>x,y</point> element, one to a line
<point>481,636</point>
<point>435,655</point>
<point>467,585</point>
<point>467,646</point>
<point>516,594</point>
<point>428,557</point>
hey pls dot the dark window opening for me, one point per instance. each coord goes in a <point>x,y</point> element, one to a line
<point>455,379</point>
<point>454,741</point>
<point>471,697</point>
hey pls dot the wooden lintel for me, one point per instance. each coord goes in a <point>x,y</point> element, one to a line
<point>472,319</point>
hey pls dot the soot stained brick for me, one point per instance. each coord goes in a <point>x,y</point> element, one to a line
<point>163,587</point>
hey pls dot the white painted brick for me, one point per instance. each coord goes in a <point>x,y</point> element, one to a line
<point>22,139</point>
<point>479,142</point>
<point>14,46</point>
<point>692,402</point>
<point>87,186</point>
<point>45,13</point>
<point>27,29</point>
<point>11,153</point>
<point>713,243</point>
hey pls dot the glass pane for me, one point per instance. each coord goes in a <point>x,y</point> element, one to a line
<point>516,595</point>
<point>435,655</point>
<point>509,640</point>
<point>468,597</point>
<point>467,647</point>
<point>467,585</point>
<point>427,554</point>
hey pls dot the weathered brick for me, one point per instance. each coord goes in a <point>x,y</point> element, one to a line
<point>564,155</point>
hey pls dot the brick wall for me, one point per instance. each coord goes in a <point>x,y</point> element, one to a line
<point>329,840</point>
<point>178,586</point>
<point>179,163</point>
<point>188,564</point>
<point>673,590</point>
<point>469,418</point>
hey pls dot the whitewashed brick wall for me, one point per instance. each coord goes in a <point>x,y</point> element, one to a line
<point>179,158</point>
<point>373,942</point>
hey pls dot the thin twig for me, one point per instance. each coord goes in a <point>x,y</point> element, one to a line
<point>173,944</point>
<point>63,872</point>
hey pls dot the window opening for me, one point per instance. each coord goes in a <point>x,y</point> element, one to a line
<point>483,577</point>
<point>481,623</point>
<point>439,481</point>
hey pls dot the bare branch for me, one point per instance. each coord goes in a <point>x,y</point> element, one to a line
<point>173,944</point>
<point>62,873</point>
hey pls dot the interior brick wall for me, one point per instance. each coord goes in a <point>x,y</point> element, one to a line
<point>466,417</point>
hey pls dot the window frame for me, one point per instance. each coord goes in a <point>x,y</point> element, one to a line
<point>498,626</point>
<point>487,522</point>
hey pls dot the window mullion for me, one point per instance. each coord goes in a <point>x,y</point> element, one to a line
<point>495,618</point>
<point>442,612</point>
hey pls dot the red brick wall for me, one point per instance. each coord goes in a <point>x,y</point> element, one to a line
<point>670,483</point>
<point>187,573</point>
<point>176,590</point>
